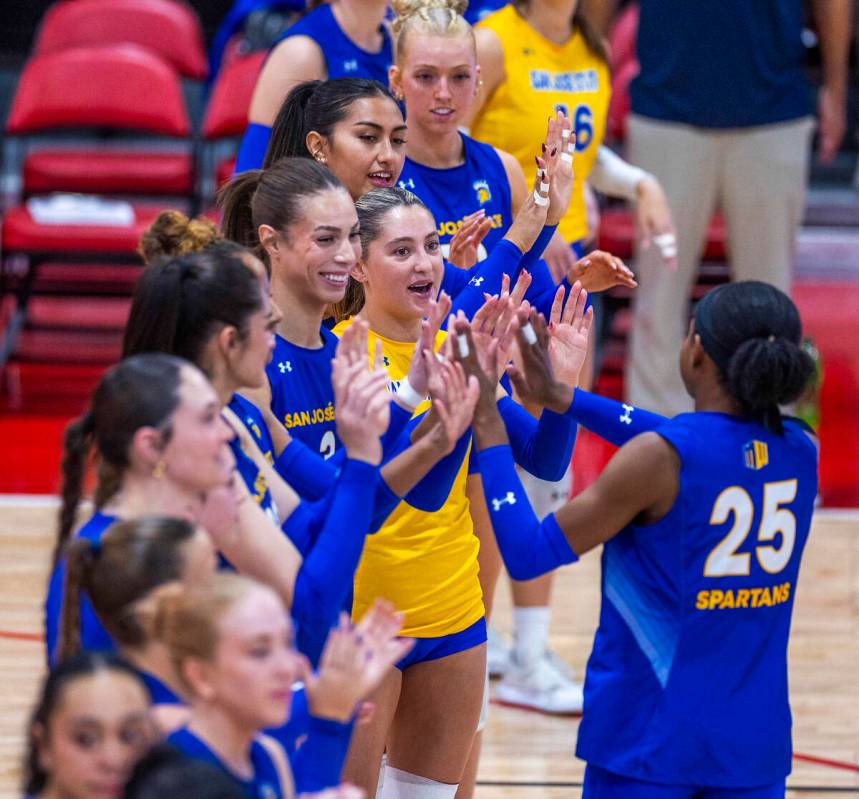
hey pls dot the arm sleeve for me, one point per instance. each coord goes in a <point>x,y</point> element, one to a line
<point>252,148</point>
<point>400,418</point>
<point>325,577</point>
<point>455,279</point>
<point>613,176</point>
<point>614,421</point>
<point>305,470</point>
<point>530,258</point>
<point>528,546</point>
<point>543,448</point>
<point>317,763</point>
<point>504,257</point>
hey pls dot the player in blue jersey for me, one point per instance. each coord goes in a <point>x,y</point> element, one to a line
<point>89,727</point>
<point>342,38</point>
<point>229,641</point>
<point>153,422</point>
<point>122,578</point>
<point>703,519</point>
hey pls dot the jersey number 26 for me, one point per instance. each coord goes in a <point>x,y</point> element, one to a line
<point>724,560</point>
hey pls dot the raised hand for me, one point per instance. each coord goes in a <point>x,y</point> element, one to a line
<point>536,382</point>
<point>599,271</point>
<point>558,154</point>
<point>465,243</point>
<point>361,397</point>
<point>453,403</point>
<point>417,376</point>
<point>355,660</point>
<point>569,330</point>
<point>531,218</point>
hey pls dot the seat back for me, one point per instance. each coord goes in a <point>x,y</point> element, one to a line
<point>123,87</point>
<point>167,27</point>
<point>227,110</point>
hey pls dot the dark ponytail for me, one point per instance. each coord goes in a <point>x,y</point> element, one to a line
<point>180,304</point>
<point>77,444</point>
<point>132,558</point>
<point>752,332</point>
<point>64,674</point>
<point>235,199</point>
<point>138,392</point>
<point>318,106</point>
<point>271,197</point>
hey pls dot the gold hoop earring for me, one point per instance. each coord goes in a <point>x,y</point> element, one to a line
<point>160,470</point>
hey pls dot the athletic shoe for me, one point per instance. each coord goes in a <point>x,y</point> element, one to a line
<point>497,653</point>
<point>541,686</point>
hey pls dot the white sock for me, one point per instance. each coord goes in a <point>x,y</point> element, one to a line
<point>530,633</point>
<point>402,785</point>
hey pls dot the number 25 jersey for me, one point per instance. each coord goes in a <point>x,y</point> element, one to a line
<point>687,681</point>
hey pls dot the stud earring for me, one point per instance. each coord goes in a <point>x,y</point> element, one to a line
<point>160,470</point>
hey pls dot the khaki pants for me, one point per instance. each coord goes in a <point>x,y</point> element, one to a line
<point>757,178</point>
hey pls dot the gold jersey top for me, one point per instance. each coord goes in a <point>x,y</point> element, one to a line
<point>423,562</point>
<point>540,78</point>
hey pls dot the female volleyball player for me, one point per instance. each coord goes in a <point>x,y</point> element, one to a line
<point>122,577</point>
<point>470,186</point>
<point>424,558</point>
<point>537,57</point>
<point>703,520</point>
<point>153,422</point>
<point>229,642</point>
<point>334,39</point>
<point>89,727</point>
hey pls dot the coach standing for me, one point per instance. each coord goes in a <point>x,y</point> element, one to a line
<point>722,116</point>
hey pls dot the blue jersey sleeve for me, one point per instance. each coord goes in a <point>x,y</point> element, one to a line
<point>543,448</point>
<point>252,148</point>
<point>614,421</point>
<point>305,470</point>
<point>318,762</point>
<point>528,546</point>
<point>325,577</point>
<point>504,258</point>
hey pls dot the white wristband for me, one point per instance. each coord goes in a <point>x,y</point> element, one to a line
<point>407,394</point>
<point>528,332</point>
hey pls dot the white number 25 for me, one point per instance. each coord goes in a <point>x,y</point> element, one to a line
<point>724,560</point>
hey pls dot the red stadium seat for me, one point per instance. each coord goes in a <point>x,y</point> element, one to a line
<point>617,235</point>
<point>227,112</point>
<point>622,36</point>
<point>167,27</point>
<point>85,93</point>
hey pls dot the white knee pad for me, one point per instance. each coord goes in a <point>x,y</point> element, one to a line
<point>402,785</point>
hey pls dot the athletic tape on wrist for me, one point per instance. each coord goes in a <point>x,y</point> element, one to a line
<point>462,345</point>
<point>528,332</point>
<point>407,394</point>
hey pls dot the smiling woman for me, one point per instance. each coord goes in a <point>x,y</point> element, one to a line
<point>352,125</point>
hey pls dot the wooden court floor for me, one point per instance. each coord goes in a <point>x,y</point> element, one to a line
<point>526,755</point>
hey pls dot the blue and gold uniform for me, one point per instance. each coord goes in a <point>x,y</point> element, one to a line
<point>453,193</point>
<point>424,562</point>
<point>687,681</point>
<point>540,78</point>
<point>302,396</point>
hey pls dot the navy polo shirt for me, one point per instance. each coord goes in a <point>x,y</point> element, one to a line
<point>721,63</point>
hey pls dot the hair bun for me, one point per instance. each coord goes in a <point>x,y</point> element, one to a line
<point>407,8</point>
<point>172,233</point>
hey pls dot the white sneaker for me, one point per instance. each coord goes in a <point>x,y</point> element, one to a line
<point>497,653</point>
<point>541,685</point>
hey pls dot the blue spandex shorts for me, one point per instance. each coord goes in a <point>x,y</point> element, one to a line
<point>602,784</point>
<point>435,648</point>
